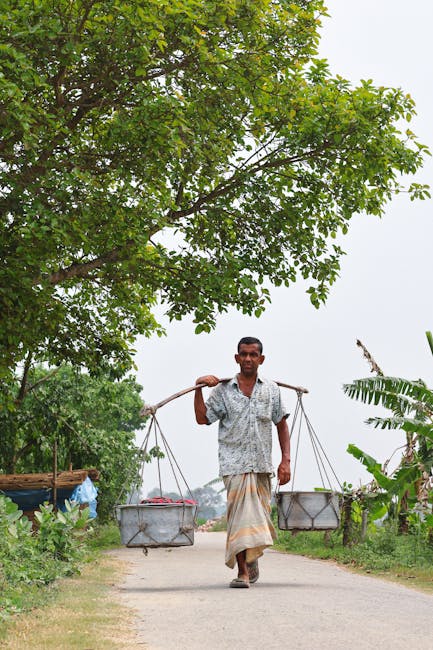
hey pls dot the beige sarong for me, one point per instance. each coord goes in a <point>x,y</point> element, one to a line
<point>249,525</point>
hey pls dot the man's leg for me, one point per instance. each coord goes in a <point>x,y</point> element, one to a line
<point>241,559</point>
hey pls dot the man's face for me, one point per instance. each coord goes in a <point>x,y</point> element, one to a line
<point>249,359</point>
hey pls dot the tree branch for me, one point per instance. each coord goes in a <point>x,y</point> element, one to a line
<point>23,385</point>
<point>82,269</point>
<point>374,367</point>
<point>42,379</point>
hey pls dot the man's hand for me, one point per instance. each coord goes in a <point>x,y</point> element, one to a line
<point>209,380</point>
<point>284,472</point>
<point>199,405</point>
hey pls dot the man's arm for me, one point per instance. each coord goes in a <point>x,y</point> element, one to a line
<point>284,439</point>
<point>199,405</point>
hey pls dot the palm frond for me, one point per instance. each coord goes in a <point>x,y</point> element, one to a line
<point>395,422</point>
<point>372,466</point>
<point>399,395</point>
<point>430,340</point>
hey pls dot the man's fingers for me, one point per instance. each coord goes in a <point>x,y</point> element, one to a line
<point>209,380</point>
<point>283,476</point>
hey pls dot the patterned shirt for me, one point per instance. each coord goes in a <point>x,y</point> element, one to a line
<point>245,425</point>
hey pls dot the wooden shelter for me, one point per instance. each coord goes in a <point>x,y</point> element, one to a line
<point>29,491</point>
<point>66,479</point>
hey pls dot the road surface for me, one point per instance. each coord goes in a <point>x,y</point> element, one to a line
<point>182,602</point>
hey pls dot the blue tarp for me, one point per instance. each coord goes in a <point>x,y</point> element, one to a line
<point>86,493</point>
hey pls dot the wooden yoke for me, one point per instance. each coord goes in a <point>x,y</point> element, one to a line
<point>151,410</point>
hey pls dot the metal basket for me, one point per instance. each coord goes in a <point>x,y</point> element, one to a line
<point>153,525</point>
<point>308,510</point>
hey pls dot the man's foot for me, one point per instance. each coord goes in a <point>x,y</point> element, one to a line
<point>240,583</point>
<point>253,571</point>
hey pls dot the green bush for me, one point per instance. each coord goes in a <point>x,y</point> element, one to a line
<point>382,550</point>
<point>30,559</point>
<point>104,536</point>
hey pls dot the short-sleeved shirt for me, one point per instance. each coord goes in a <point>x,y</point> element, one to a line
<point>245,425</point>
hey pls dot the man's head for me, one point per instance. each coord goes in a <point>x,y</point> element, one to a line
<point>250,340</point>
<point>249,356</point>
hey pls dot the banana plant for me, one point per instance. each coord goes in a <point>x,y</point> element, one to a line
<point>411,406</point>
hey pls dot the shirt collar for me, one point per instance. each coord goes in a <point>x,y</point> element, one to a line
<point>235,382</point>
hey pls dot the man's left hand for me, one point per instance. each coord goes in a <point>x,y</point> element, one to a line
<point>284,472</point>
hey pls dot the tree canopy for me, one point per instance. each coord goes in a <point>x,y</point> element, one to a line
<point>187,151</point>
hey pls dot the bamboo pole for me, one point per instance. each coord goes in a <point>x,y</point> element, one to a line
<point>151,410</point>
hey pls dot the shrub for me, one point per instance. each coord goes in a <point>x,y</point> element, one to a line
<point>30,559</point>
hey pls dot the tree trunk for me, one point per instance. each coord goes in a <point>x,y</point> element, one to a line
<point>347,520</point>
<point>364,524</point>
<point>403,523</point>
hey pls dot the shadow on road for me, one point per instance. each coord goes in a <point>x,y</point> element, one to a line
<point>218,587</point>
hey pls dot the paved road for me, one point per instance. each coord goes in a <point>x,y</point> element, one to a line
<point>183,602</point>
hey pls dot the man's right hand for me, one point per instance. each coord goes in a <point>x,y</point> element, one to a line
<point>208,380</point>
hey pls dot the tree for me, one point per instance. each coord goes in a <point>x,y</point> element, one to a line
<point>93,419</point>
<point>187,151</point>
<point>210,502</point>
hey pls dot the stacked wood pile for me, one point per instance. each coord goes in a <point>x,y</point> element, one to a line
<point>64,479</point>
<point>209,524</point>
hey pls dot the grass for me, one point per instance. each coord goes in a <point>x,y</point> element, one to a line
<point>105,536</point>
<point>77,613</point>
<point>24,595</point>
<point>401,558</point>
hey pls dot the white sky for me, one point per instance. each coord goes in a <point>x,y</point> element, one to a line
<point>383,296</point>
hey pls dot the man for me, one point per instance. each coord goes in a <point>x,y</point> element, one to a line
<point>246,406</point>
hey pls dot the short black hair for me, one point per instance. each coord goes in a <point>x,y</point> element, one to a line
<point>250,340</point>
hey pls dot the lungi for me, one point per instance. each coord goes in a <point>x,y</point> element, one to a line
<point>249,525</point>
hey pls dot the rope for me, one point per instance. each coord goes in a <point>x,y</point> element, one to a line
<point>158,464</point>
<point>299,417</point>
<point>171,458</point>
<point>185,531</point>
<point>142,450</point>
<point>314,435</point>
<point>295,416</point>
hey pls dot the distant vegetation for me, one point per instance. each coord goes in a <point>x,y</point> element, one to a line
<point>210,502</point>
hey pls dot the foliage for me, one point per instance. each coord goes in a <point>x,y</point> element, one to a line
<point>383,549</point>
<point>187,151</point>
<point>54,529</point>
<point>104,536</point>
<point>410,485</point>
<point>412,406</point>
<point>31,559</point>
<point>93,419</point>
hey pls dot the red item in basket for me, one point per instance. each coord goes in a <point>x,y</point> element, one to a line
<point>157,500</point>
<point>160,500</point>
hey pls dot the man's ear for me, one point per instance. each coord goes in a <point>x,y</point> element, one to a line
<point>237,358</point>
<point>261,359</point>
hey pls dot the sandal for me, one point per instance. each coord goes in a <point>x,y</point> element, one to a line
<point>239,583</point>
